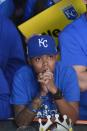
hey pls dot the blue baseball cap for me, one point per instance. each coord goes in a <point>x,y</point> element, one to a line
<point>39,45</point>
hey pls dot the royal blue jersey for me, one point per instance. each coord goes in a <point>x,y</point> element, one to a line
<point>26,87</point>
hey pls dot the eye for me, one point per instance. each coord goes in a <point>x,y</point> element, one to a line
<point>37,59</point>
<point>51,56</point>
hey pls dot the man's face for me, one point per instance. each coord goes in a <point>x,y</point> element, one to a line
<point>85,1</point>
<point>43,63</point>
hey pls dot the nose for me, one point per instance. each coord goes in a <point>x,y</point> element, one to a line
<point>45,64</point>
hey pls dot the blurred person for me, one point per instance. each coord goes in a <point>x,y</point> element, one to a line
<point>11,59</point>
<point>73,47</point>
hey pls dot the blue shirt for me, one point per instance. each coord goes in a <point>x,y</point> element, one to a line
<point>6,7</point>
<point>73,46</point>
<point>73,43</point>
<point>11,59</point>
<point>26,87</point>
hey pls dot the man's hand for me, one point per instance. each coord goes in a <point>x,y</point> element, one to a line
<point>46,80</point>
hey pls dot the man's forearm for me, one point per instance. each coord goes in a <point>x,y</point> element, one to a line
<point>82,76</point>
<point>65,108</point>
<point>25,117</point>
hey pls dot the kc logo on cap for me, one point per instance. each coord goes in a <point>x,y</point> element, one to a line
<point>43,42</point>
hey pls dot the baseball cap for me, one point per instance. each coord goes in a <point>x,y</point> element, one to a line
<point>39,45</point>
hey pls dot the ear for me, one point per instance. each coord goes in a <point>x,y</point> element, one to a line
<point>56,57</point>
<point>29,61</point>
<point>85,1</point>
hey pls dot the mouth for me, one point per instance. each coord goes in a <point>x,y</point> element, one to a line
<point>45,70</point>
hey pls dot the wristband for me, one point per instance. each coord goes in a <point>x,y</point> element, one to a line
<point>58,95</point>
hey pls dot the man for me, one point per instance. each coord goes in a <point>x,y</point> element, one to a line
<point>73,46</point>
<point>11,59</point>
<point>44,87</point>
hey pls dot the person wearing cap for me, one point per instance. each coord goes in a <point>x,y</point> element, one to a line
<point>43,87</point>
<point>11,59</point>
<point>73,47</point>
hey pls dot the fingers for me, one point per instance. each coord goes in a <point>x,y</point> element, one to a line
<point>45,77</point>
